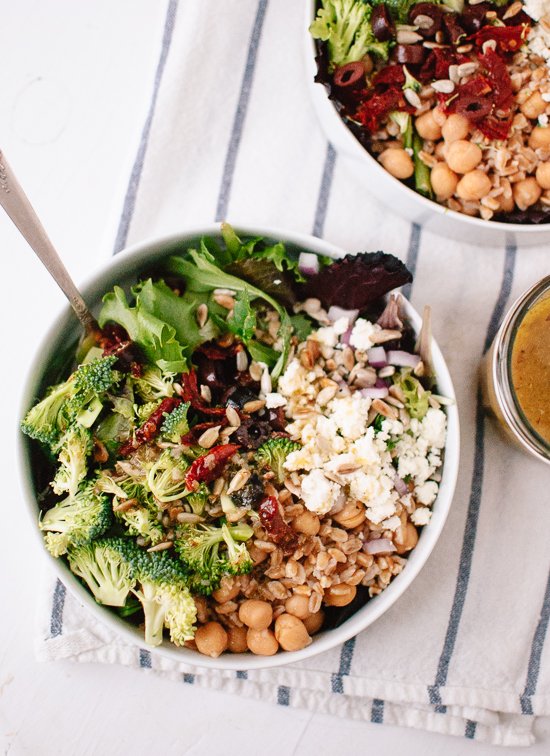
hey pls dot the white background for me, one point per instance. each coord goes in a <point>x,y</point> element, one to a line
<point>76,79</point>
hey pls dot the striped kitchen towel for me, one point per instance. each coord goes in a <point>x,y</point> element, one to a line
<point>231,134</point>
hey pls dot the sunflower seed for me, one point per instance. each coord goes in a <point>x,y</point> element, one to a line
<point>385,334</point>
<point>465,69</point>
<point>253,406</point>
<point>453,74</point>
<point>233,417</point>
<point>490,44</point>
<point>124,505</point>
<point>202,314</point>
<point>423,22</point>
<point>217,488</point>
<point>161,546</point>
<point>255,371</point>
<point>513,10</point>
<point>464,48</point>
<point>434,45</point>
<point>209,437</point>
<point>325,395</point>
<point>385,372</point>
<point>445,86</point>
<point>406,37</point>
<point>238,481</point>
<point>265,382</point>
<point>225,301</point>
<point>385,409</point>
<point>412,98</point>
<point>206,393</point>
<point>189,517</point>
<point>242,361</point>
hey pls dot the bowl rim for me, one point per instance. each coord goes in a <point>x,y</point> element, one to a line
<point>321,100</point>
<point>94,286</point>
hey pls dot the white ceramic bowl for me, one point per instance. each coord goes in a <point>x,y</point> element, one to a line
<point>56,350</point>
<point>401,198</point>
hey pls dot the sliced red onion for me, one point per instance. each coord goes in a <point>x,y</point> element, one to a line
<point>377,357</point>
<point>335,313</point>
<point>375,392</point>
<point>379,546</point>
<point>400,486</point>
<point>345,337</point>
<point>403,359</point>
<point>308,263</point>
<point>381,383</point>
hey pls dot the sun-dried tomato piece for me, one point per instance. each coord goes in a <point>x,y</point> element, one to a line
<point>278,530</point>
<point>150,427</point>
<point>216,351</point>
<point>209,466</point>
<point>495,128</point>
<point>372,112</point>
<point>114,340</point>
<point>499,79</point>
<point>191,394</point>
<point>389,75</point>
<point>508,38</point>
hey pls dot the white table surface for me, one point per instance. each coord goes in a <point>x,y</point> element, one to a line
<point>75,81</point>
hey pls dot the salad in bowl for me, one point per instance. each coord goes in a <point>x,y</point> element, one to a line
<point>451,98</point>
<point>248,453</point>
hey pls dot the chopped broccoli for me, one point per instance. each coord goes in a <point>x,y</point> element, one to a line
<point>199,548</point>
<point>166,478</point>
<point>197,499</point>
<point>345,26</point>
<point>144,411</point>
<point>106,568</point>
<point>92,380</point>
<point>76,445</point>
<point>154,384</point>
<point>142,520</point>
<point>165,598</point>
<point>416,396</point>
<point>273,454</point>
<point>175,423</point>
<point>48,419</point>
<point>76,520</point>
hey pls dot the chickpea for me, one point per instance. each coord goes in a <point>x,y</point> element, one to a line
<point>298,606</point>
<point>262,642</point>
<point>473,185</point>
<point>443,180</point>
<point>339,595</point>
<point>440,150</point>
<point>256,614</point>
<point>352,515</point>
<point>229,588</point>
<point>455,127</point>
<point>463,156</point>
<point>534,106</point>
<point>397,162</point>
<point>314,622</point>
<point>543,175</point>
<point>427,126</point>
<point>307,523</point>
<point>291,632</point>
<point>211,639</point>
<point>540,138</point>
<point>406,538</point>
<point>236,640</point>
<point>526,192</point>
<point>506,203</point>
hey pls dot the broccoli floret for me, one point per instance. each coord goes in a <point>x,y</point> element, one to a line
<point>106,566</point>
<point>144,411</point>
<point>175,423</point>
<point>48,419</point>
<point>199,548</point>
<point>76,520</point>
<point>76,445</point>
<point>345,26</point>
<point>274,453</point>
<point>165,598</point>
<point>92,380</point>
<point>198,499</point>
<point>166,478</point>
<point>142,520</point>
<point>153,384</point>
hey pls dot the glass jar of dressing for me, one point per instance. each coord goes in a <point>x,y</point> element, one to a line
<point>515,373</point>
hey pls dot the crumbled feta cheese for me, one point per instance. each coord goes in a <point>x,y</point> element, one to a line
<point>539,36</point>
<point>426,493</point>
<point>319,493</point>
<point>376,492</point>
<point>274,400</point>
<point>392,523</point>
<point>350,414</point>
<point>433,428</point>
<point>421,516</point>
<point>295,381</point>
<point>361,333</point>
<point>341,326</point>
<point>327,336</point>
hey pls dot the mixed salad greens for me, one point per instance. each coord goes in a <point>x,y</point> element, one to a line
<point>136,437</point>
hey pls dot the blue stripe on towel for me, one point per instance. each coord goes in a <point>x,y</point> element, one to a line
<point>240,114</point>
<point>346,658</point>
<point>145,661</point>
<point>133,185</point>
<point>324,191</point>
<point>470,530</point>
<point>470,729</point>
<point>188,678</point>
<point>377,711</point>
<point>283,695</point>
<point>58,603</point>
<point>241,674</point>
<point>537,646</point>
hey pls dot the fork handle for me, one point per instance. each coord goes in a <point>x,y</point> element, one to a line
<point>16,204</point>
